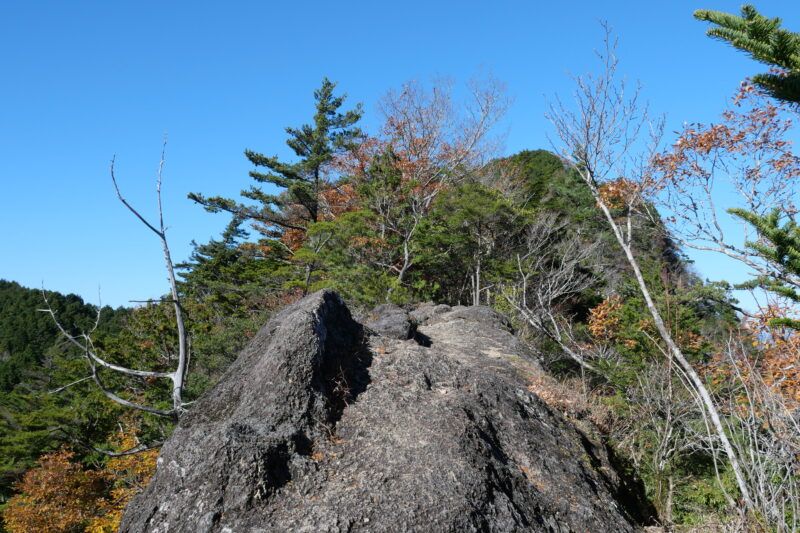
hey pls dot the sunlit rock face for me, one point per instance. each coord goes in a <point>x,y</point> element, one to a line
<point>324,425</point>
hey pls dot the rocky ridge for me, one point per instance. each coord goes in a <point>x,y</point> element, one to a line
<point>417,421</point>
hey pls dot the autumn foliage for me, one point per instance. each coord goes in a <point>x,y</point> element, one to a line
<point>334,200</point>
<point>755,126</point>
<point>56,496</point>
<point>128,475</point>
<point>749,149</point>
<point>604,320</point>
<point>61,495</point>
<point>620,192</point>
<point>779,353</point>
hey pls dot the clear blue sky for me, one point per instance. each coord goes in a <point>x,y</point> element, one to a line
<point>86,80</point>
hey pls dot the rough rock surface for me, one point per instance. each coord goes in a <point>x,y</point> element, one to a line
<point>321,426</point>
<point>391,321</point>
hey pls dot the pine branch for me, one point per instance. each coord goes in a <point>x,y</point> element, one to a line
<point>765,41</point>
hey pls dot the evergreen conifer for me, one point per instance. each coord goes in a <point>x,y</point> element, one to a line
<point>316,145</point>
<point>765,41</point>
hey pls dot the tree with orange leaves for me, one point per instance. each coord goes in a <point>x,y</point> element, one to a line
<point>778,351</point>
<point>757,391</point>
<point>427,144</point>
<point>127,475</point>
<point>61,495</point>
<point>748,152</point>
<point>56,496</point>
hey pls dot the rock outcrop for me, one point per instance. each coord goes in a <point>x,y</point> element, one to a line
<point>323,425</point>
<point>391,321</point>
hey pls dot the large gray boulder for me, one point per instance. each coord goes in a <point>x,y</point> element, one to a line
<point>322,426</point>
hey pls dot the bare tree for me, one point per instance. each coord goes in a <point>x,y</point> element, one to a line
<point>662,415</point>
<point>434,143</point>
<point>608,137</point>
<point>97,363</point>
<point>746,158</point>
<point>766,429</point>
<point>550,272</point>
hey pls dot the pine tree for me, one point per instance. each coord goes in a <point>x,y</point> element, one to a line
<point>779,246</point>
<point>228,275</point>
<point>765,41</point>
<point>315,145</point>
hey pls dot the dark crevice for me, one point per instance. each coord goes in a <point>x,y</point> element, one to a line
<point>494,446</point>
<point>345,375</point>
<point>588,446</point>
<point>423,340</point>
<point>276,467</point>
<point>302,444</point>
<point>629,490</point>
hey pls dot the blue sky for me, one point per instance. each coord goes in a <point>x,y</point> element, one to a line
<point>86,80</point>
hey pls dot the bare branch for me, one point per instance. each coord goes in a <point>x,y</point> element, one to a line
<point>122,401</point>
<point>109,453</point>
<point>65,387</point>
<point>125,202</point>
<point>85,343</point>
<point>91,355</point>
<point>748,154</point>
<point>600,139</point>
<point>178,377</point>
<point>549,273</point>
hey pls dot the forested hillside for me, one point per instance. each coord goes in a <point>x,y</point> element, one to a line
<point>26,334</point>
<point>34,361</point>
<point>581,251</point>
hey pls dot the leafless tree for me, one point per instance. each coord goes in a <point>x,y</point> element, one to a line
<point>663,414</point>
<point>609,138</point>
<point>765,426</point>
<point>93,357</point>
<point>550,272</point>
<point>436,142</point>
